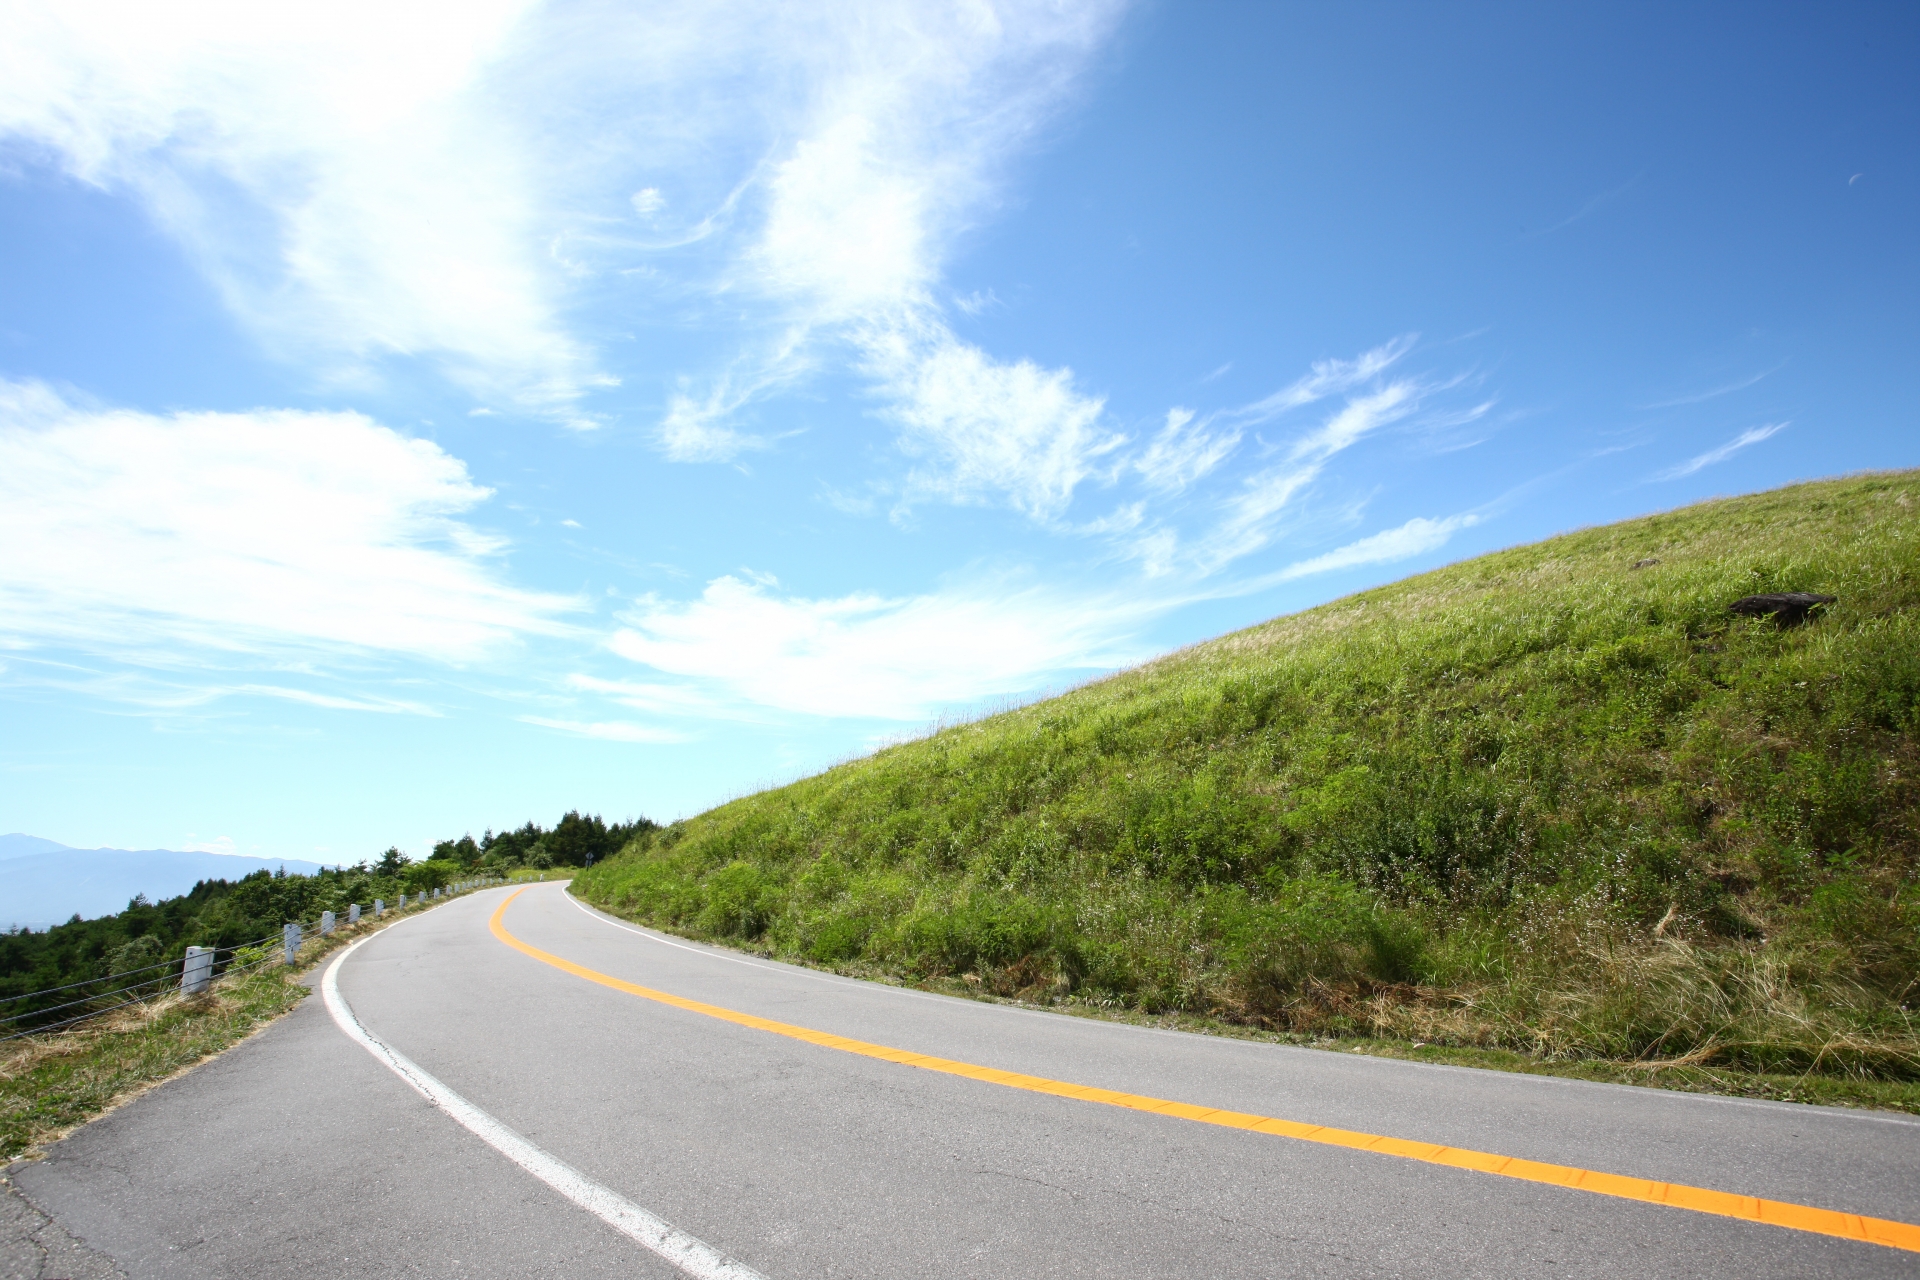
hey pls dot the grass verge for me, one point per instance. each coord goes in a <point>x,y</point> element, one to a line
<point>1560,804</point>
<point>53,1084</point>
<point>1807,1086</point>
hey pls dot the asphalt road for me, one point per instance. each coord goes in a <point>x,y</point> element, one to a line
<point>300,1153</point>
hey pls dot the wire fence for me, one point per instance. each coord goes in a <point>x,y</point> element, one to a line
<point>195,971</point>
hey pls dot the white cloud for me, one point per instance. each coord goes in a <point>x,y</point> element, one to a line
<point>1359,417</point>
<point>697,430</point>
<point>988,428</point>
<point>1712,392</point>
<point>175,699</point>
<point>866,655</point>
<point>848,224</point>
<point>133,533</point>
<point>1184,452</point>
<point>979,302</point>
<point>366,183</point>
<point>351,177</point>
<point>1325,378</point>
<point>908,114</point>
<point>1416,537</point>
<point>1258,509</point>
<point>1251,518</point>
<point>609,730</point>
<point>661,699</point>
<point>1752,435</point>
<point>386,706</point>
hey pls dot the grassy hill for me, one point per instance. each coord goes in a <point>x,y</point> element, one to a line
<point>1556,800</point>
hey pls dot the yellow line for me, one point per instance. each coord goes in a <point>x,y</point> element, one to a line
<point>1797,1217</point>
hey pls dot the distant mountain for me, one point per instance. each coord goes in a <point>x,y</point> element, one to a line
<point>43,882</point>
<point>18,846</point>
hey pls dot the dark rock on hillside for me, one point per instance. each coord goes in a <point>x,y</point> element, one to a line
<point>1788,608</point>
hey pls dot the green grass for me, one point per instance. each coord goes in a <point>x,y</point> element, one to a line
<point>1541,804</point>
<point>1823,1088</point>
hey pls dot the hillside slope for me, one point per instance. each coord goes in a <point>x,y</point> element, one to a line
<point>1556,799</point>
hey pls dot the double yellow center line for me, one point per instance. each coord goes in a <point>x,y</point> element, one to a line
<point>1777,1213</point>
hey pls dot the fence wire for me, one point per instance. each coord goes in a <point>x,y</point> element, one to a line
<point>168,982</point>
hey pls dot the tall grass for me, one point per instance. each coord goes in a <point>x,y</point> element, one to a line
<point>1556,799</point>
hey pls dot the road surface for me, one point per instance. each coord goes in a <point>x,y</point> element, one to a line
<point>301,1153</point>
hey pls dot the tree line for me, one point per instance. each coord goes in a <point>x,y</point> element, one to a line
<point>574,841</point>
<point>230,913</point>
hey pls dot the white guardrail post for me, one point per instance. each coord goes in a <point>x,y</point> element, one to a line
<point>326,923</point>
<point>379,907</point>
<point>291,937</point>
<point>196,972</point>
<point>353,913</point>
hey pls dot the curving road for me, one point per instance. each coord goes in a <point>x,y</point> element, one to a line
<point>797,1152</point>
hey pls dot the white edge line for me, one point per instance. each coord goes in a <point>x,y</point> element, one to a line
<point>694,1256</point>
<point>834,979</point>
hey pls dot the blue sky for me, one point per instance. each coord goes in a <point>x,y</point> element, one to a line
<point>414,420</point>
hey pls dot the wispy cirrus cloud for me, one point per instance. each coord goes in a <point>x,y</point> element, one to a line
<point>701,429</point>
<point>333,702</point>
<point>1751,436</point>
<point>1189,447</point>
<point>1416,537</point>
<point>1324,378</point>
<point>1712,393</point>
<point>1250,518</point>
<point>1247,516</point>
<point>264,532</point>
<point>1184,451</point>
<point>1588,208</point>
<point>169,685</point>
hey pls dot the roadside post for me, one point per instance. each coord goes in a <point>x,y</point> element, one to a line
<point>379,907</point>
<point>291,937</point>
<point>353,913</point>
<point>196,972</point>
<point>326,923</point>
